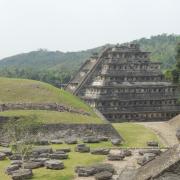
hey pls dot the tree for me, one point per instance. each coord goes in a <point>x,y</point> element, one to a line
<point>21,133</point>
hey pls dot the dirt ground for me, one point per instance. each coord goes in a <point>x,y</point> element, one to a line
<point>118,165</point>
<point>164,130</point>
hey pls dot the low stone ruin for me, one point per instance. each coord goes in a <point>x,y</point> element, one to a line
<point>82,148</point>
<point>85,171</point>
<point>116,157</point>
<point>100,151</point>
<point>22,174</point>
<point>153,143</point>
<point>54,164</point>
<point>116,141</point>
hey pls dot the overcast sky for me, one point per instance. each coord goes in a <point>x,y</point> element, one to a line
<point>71,25</point>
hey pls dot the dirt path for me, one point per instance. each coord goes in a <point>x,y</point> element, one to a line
<point>164,130</point>
<point>118,165</point>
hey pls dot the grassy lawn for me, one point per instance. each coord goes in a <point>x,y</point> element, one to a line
<point>55,117</point>
<point>29,91</point>
<point>75,159</point>
<point>135,135</point>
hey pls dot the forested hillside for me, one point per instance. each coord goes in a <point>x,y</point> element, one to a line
<point>57,67</point>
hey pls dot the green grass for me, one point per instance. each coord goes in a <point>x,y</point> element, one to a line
<point>29,91</point>
<point>53,117</point>
<point>74,160</point>
<point>135,135</point>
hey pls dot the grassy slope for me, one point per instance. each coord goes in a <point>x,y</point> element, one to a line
<point>53,117</point>
<point>134,136</point>
<point>29,91</point>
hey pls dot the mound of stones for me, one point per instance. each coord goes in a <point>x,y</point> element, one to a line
<point>41,156</point>
<point>116,141</point>
<point>71,140</point>
<point>154,151</point>
<point>103,138</point>
<point>147,155</point>
<point>105,175</point>
<point>100,171</point>
<point>82,148</point>
<point>66,150</point>
<point>91,139</point>
<point>116,156</point>
<point>54,164</point>
<point>2,156</point>
<point>152,143</point>
<point>56,141</point>
<point>100,151</point>
<point>58,155</point>
<point>6,151</point>
<point>41,142</point>
<point>9,170</point>
<point>22,174</point>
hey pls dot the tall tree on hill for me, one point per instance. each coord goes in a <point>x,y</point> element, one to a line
<point>176,71</point>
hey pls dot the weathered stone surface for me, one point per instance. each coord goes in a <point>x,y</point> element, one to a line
<point>152,143</point>
<point>92,170</point>
<point>4,144</point>
<point>43,155</point>
<point>58,156</point>
<point>66,150</point>
<point>116,157</point>
<point>16,162</point>
<point>104,175</point>
<point>125,85</point>
<point>2,156</point>
<point>22,174</point>
<point>70,141</point>
<point>127,174</point>
<point>15,157</point>
<point>56,141</point>
<point>116,141</point>
<point>85,171</point>
<point>154,151</point>
<point>41,160</point>
<point>6,151</point>
<point>33,165</point>
<point>91,139</point>
<point>141,161</point>
<point>54,164</point>
<point>42,106</point>
<point>178,134</point>
<point>126,152</point>
<point>163,167</point>
<point>9,170</point>
<point>42,149</point>
<point>146,158</point>
<point>82,148</point>
<point>42,142</point>
<point>103,138</point>
<point>100,151</point>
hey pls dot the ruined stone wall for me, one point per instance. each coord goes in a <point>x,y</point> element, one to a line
<point>38,106</point>
<point>172,172</point>
<point>55,131</point>
<point>78,130</point>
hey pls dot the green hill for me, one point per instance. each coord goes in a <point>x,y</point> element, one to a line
<point>57,67</point>
<point>30,91</point>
